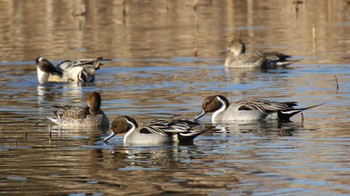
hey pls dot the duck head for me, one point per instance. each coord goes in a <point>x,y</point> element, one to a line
<point>121,124</point>
<point>214,104</point>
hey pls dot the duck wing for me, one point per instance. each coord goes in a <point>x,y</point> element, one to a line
<point>264,106</point>
<point>165,126</point>
<point>73,112</point>
<point>251,58</point>
<point>94,63</point>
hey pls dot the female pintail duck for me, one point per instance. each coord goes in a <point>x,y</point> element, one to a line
<point>238,57</point>
<point>81,71</point>
<point>249,109</point>
<point>81,117</point>
<point>155,132</point>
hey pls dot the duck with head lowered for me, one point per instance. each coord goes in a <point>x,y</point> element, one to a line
<point>160,131</point>
<point>81,71</point>
<point>44,69</point>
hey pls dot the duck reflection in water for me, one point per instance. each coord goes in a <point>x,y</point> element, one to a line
<point>258,128</point>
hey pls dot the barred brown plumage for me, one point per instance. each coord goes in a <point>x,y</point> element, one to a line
<point>90,115</point>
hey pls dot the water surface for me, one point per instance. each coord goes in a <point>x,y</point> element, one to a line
<point>164,58</point>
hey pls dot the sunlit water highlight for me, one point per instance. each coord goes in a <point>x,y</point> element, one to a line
<point>147,77</point>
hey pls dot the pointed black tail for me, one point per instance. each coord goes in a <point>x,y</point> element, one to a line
<point>187,138</point>
<point>284,115</point>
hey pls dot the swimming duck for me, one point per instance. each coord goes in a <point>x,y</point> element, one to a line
<point>81,71</point>
<point>90,115</point>
<point>248,109</point>
<point>155,132</point>
<point>238,57</point>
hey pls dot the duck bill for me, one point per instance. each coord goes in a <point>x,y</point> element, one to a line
<point>202,113</point>
<point>110,136</point>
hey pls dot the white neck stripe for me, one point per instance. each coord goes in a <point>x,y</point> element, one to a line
<point>217,112</point>
<point>130,131</point>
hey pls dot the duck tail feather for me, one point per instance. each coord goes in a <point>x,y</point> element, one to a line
<point>286,114</point>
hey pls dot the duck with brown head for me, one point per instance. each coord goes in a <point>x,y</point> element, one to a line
<point>90,115</point>
<point>81,71</point>
<point>248,109</point>
<point>155,132</point>
<point>44,69</point>
<point>238,57</point>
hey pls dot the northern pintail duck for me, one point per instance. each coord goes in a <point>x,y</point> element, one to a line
<point>90,115</point>
<point>81,71</point>
<point>238,57</point>
<point>248,109</point>
<point>155,132</point>
<point>44,69</point>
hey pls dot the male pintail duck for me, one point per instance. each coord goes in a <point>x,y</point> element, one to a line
<point>248,109</point>
<point>81,117</point>
<point>238,57</point>
<point>44,69</point>
<point>81,71</point>
<point>155,132</point>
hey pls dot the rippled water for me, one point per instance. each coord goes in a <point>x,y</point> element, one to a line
<point>164,58</point>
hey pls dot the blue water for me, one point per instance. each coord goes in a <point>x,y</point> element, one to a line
<point>163,58</point>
